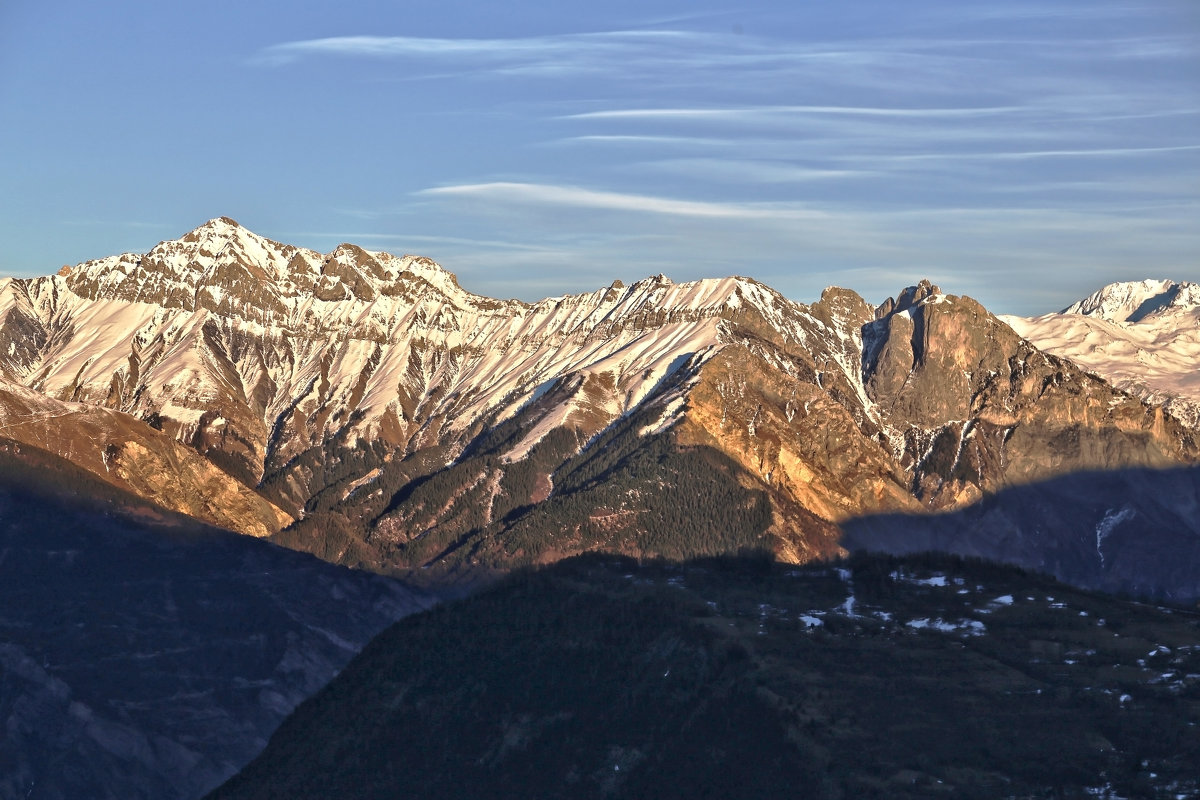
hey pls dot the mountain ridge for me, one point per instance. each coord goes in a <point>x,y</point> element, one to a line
<point>147,655</point>
<point>406,423</point>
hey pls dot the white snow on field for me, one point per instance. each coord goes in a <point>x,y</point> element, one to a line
<point>669,416</point>
<point>933,580</point>
<point>970,627</point>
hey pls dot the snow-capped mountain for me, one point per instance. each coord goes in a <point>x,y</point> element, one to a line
<point>1134,301</point>
<point>1142,336</point>
<point>406,422</point>
<point>258,350</point>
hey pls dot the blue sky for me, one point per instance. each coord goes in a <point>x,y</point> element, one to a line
<point>1022,153</point>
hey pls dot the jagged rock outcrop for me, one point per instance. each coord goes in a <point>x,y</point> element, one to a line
<point>972,407</point>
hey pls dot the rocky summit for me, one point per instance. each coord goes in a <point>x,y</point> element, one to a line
<point>365,407</point>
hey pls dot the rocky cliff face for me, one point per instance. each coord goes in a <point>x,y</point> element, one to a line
<point>405,422</point>
<point>972,407</point>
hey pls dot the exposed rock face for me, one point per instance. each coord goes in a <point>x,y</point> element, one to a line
<point>130,455</point>
<point>972,407</point>
<point>407,423</point>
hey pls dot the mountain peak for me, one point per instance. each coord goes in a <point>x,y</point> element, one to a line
<point>911,296</point>
<point>1133,301</point>
<point>216,226</point>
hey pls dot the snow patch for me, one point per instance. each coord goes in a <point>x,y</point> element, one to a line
<point>1106,526</point>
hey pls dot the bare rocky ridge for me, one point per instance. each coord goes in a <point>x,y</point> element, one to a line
<point>405,422</point>
<point>130,455</point>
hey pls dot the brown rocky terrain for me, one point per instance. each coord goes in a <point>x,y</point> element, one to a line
<point>128,454</point>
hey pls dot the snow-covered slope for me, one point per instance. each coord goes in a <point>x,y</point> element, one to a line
<point>1133,301</point>
<point>1142,336</point>
<point>254,352</point>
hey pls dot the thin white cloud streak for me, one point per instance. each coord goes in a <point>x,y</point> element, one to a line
<point>1109,187</point>
<point>874,146</point>
<point>850,234</point>
<point>749,171</point>
<point>751,112</point>
<point>413,237</point>
<point>649,139</point>
<point>997,219</point>
<point>992,253</point>
<point>673,58</point>
<point>956,132</point>
<point>681,60</point>
<point>1024,155</point>
<point>714,48</point>
<point>1063,49</point>
<point>566,47</point>
<point>548,194</point>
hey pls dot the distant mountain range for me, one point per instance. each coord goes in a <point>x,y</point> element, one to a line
<point>1144,337</point>
<point>364,407</point>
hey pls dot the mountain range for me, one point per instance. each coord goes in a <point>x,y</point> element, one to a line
<point>366,408</point>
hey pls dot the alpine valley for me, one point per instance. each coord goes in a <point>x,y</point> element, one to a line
<point>636,482</point>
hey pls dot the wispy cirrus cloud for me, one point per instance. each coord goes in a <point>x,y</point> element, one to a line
<point>967,142</point>
<point>671,58</point>
<point>648,139</point>
<point>579,197</point>
<point>740,170</point>
<point>769,112</point>
<point>799,249</point>
<point>560,51</point>
<point>1024,155</point>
